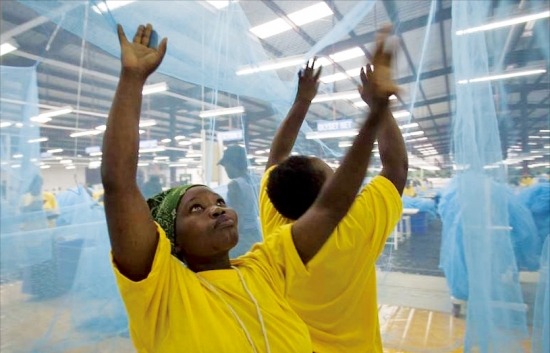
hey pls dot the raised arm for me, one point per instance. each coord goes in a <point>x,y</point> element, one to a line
<point>131,228</point>
<point>283,141</point>
<point>312,230</point>
<point>393,153</point>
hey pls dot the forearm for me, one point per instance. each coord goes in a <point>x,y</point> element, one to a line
<point>340,191</point>
<point>393,153</point>
<point>288,131</point>
<point>121,140</point>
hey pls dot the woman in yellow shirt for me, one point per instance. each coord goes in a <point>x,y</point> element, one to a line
<point>198,300</point>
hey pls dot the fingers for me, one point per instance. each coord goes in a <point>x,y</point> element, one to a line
<point>318,73</point>
<point>369,71</point>
<point>121,35</point>
<point>309,71</point>
<point>139,34</point>
<point>363,76</point>
<point>162,47</point>
<point>381,39</point>
<point>146,36</point>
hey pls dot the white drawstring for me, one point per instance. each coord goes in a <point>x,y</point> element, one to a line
<point>213,289</point>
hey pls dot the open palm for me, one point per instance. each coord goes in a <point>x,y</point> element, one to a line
<point>378,84</point>
<point>137,56</point>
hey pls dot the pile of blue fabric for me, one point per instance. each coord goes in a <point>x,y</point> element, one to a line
<point>523,235</point>
<point>537,200</point>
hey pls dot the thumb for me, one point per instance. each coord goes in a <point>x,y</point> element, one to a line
<point>121,36</point>
<point>360,89</point>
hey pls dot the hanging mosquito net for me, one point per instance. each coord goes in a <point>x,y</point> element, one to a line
<point>466,268</point>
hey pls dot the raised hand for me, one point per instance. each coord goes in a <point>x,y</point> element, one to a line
<point>308,82</point>
<point>378,85</point>
<point>137,57</point>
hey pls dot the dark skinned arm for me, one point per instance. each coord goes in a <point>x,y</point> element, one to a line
<point>132,231</point>
<point>311,231</point>
<point>393,153</point>
<point>285,137</point>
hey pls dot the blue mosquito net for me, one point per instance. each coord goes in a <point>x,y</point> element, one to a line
<point>58,289</point>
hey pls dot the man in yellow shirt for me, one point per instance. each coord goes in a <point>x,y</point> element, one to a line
<point>339,306</point>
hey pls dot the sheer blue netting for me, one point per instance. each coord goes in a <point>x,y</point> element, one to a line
<point>55,261</point>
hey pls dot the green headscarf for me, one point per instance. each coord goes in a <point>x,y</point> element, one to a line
<point>163,208</point>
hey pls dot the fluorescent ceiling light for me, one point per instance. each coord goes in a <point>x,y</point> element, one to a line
<point>505,23</point>
<point>330,134</point>
<point>310,14</point>
<point>5,124</point>
<point>185,143</point>
<point>96,154</point>
<point>336,96</point>
<point>270,28</point>
<point>70,167</point>
<point>155,88</point>
<point>46,116</point>
<point>271,65</point>
<point>161,158</point>
<point>152,149</point>
<point>179,137</point>
<point>341,76</point>
<point>279,64</point>
<point>347,54</point>
<point>175,165</point>
<point>85,133</point>
<point>166,140</point>
<point>45,166</point>
<point>66,161</point>
<point>222,111</point>
<point>55,150</point>
<point>360,104</point>
<point>335,77</point>
<point>111,5</point>
<point>424,138</point>
<point>6,48</point>
<point>344,144</point>
<point>16,166</point>
<point>142,164</point>
<point>545,131</point>
<point>401,114</point>
<point>40,139</point>
<point>147,123</point>
<point>408,126</point>
<point>536,165</point>
<point>503,76</point>
<point>413,133</point>
<point>94,164</point>
<point>219,4</point>
<point>196,140</point>
<point>301,17</point>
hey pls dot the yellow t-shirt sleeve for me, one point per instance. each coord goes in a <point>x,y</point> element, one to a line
<point>146,301</point>
<point>270,218</point>
<point>277,259</point>
<point>378,208</point>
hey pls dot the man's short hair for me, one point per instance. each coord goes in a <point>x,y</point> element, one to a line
<point>294,185</point>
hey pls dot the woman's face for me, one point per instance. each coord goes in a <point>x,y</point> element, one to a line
<point>205,226</point>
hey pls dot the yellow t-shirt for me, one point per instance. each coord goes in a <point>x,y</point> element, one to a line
<point>171,311</point>
<point>337,297</point>
<point>409,191</point>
